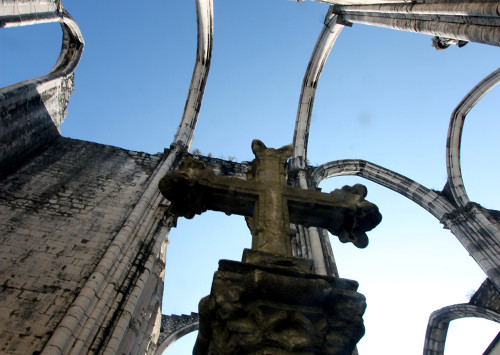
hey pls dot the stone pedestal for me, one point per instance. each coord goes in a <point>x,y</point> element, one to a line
<point>269,304</point>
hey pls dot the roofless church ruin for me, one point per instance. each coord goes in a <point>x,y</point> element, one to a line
<point>83,226</point>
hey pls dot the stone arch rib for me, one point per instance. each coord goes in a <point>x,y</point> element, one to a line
<point>475,227</point>
<point>22,13</point>
<point>439,322</point>
<point>476,233</point>
<point>15,14</point>
<point>430,200</point>
<point>174,327</point>
<point>319,247</point>
<point>321,51</point>
<point>455,180</point>
<point>204,15</point>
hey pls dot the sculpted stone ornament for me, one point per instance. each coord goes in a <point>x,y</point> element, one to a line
<point>256,309</point>
<point>193,189</point>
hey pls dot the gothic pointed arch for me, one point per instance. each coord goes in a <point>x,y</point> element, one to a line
<point>474,226</point>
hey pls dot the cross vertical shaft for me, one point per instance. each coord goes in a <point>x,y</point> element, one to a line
<point>271,218</point>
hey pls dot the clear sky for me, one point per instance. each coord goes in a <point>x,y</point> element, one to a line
<point>384,96</point>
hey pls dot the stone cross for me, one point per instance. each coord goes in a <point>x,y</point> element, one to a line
<point>273,205</point>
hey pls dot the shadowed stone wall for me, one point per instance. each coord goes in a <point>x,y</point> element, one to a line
<point>58,213</point>
<point>30,116</point>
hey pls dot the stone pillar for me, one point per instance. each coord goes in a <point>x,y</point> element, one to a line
<point>270,304</point>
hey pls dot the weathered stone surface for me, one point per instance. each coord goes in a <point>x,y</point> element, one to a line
<point>265,309</point>
<point>487,296</point>
<point>265,259</point>
<point>30,120</point>
<point>58,213</point>
<point>173,327</point>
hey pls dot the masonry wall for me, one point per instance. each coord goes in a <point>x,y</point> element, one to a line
<point>30,116</point>
<point>58,213</point>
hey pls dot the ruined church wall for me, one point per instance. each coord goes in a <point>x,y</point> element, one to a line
<point>30,115</point>
<point>58,213</point>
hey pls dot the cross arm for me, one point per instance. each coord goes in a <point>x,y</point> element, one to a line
<point>194,190</point>
<point>344,212</point>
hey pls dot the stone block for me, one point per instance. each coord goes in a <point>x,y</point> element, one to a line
<point>265,309</point>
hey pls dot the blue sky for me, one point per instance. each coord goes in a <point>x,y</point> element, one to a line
<point>385,96</point>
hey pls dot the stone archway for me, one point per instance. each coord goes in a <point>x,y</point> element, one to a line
<point>174,327</point>
<point>439,321</point>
